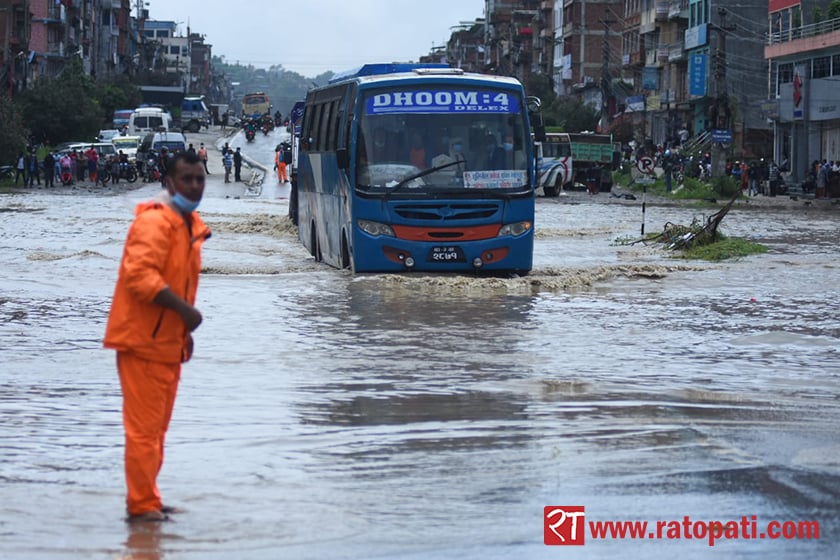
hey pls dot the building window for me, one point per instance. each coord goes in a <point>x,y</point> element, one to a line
<point>175,50</point>
<point>150,34</point>
<point>835,65</point>
<point>163,33</point>
<point>821,67</point>
<point>786,73</point>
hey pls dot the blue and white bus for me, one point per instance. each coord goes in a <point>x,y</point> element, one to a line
<point>417,167</point>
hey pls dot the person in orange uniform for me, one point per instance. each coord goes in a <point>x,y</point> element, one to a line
<point>280,165</point>
<point>152,317</point>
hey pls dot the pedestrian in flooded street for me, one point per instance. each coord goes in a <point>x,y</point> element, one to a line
<point>152,317</point>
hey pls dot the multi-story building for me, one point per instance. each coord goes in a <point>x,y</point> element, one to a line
<point>591,35</point>
<point>519,38</point>
<point>167,52</point>
<point>465,48</point>
<point>14,44</point>
<point>804,57</point>
<point>694,65</point>
<point>200,56</point>
<point>39,37</point>
<point>654,63</point>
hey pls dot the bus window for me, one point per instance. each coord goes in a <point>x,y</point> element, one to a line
<point>323,134</point>
<point>336,124</point>
<point>315,125</point>
<point>486,142</point>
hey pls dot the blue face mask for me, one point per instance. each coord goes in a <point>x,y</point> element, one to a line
<point>457,148</point>
<point>184,204</point>
<point>508,146</point>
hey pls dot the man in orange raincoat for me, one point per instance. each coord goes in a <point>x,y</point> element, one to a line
<point>152,317</point>
<point>280,165</point>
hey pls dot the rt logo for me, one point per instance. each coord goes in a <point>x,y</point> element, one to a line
<point>564,525</point>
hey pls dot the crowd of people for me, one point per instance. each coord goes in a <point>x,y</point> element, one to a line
<point>69,167</point>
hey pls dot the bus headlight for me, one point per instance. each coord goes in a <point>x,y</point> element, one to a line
<point>515,229</point>
<point>375,228</point>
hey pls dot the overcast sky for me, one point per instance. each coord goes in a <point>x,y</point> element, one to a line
<point>312,36</point>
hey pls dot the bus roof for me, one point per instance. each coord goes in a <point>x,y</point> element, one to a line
<point>441,73</point>
<point>384,68</point>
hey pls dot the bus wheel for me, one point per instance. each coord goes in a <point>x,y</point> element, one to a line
<point>345,252</point>
<point>550,191</point>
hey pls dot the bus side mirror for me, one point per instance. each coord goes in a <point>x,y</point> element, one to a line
<point>539,131</point>
<point>534,106</point>
<point>342,158</point>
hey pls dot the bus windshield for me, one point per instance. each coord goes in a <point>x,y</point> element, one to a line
<point>424,141</point>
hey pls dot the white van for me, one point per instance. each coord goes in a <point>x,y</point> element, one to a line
<point>174,142</point>
<point>148,119</point>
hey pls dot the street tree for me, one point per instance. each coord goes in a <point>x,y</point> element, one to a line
<point>65,108</point>
<point>13,133</point>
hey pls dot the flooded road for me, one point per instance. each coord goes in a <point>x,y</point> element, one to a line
<point>380,416</point>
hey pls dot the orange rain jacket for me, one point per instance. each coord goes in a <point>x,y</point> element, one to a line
<point>159,251</point>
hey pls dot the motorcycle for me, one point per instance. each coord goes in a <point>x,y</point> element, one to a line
<point>127,171</point>
<point>151,172</point>
<point>250,134</point>
<point>66,175</point>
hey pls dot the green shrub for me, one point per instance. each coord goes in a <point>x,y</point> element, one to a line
<point>726,186</point>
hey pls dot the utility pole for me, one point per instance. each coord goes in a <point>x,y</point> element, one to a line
<point>722,112</point>
<point>606,79</point>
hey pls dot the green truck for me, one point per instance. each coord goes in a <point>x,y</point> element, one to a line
<point>577,160</point>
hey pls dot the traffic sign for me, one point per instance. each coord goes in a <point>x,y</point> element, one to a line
<point>722,135</point>
<point>645,164</point>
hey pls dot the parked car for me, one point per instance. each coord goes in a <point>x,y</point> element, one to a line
<point>105,149</point>
<point>108,135</point>
<point>128,145</point>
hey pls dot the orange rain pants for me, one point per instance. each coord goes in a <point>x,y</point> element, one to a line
<point>281,173</point>
<point>148,398</point>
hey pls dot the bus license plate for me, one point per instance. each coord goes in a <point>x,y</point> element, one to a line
<point>446,254</point>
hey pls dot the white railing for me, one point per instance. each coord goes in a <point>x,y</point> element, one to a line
<point>811,30</point>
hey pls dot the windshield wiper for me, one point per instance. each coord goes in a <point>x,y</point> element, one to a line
<point>405,180</point>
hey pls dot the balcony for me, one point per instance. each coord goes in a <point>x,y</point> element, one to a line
<point>662,9</point>
<point>805,38</point>
<point>668,96</point>
<point>636,58</point>
<point>55,13</point>
<point>676,52</point>
<point>678,9</point>
<point>55,48</point>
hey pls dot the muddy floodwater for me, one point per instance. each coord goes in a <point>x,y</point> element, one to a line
<point>328,416</point>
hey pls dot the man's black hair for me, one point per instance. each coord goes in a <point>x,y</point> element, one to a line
<point>189,158</point>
